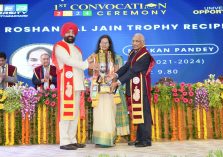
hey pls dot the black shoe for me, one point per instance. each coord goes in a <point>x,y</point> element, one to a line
<point>143,144</point>
<point>131,143</point>
<point>78,145</point>
<point>68,147</point>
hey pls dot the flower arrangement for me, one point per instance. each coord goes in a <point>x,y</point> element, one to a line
<point>47,97</point>
<point>13,95</point>
<point>162,96</point>
<point>201,98</point>
<point>29,101</point>
<point>213,87</point>
<point>183,93</point>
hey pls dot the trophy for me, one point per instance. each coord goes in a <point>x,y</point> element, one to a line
<point>103,86</point>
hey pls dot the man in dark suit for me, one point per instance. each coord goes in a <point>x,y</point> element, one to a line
<point>44,76</point>
<point>8,73</point>
<point>136,74</point>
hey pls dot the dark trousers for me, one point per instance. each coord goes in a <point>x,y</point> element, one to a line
<point>144,131</point>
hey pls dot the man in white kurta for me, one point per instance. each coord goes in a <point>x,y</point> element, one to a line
<point>70,73</point>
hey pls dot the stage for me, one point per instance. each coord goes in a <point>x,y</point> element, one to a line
<point>190,148</point>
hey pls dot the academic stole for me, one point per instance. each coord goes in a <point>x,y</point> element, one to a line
<point>67,100</point>
<point>136,87</point>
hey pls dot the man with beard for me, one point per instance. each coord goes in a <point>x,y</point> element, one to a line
<point>67,58</point>
<point>136,74</point>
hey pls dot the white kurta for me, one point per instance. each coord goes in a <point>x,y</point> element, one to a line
<point>68,129</point>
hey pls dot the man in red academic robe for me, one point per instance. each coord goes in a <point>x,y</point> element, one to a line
<point>45,76</point>
<point>136,74</point>
<point>8,73</point>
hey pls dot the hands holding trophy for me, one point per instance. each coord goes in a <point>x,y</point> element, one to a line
<point>112,79</point>
<point>91,61</point>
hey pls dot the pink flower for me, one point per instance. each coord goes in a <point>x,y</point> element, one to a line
<point>47,102</point>
<point>156,96</point>
<point>184,93</point>
<point>191,93</point>
<point>175,94</point>
<point>89,99</point>
<point>54,95</point>
<point>190,101</point>
<point>174,90</point>
<point>46,94</point>
<point>157,89</point>
<point>54,90</point>
<point>189,85</point>
<point>185,100</point>
<point>52,104</point>
<point>190,88</point>
<point>182,84</point>
<point>172,84</point>
<point>176,100</point>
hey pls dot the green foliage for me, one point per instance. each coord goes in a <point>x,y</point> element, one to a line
<point>13,95</point>
<point>216,153</point>
<point>164,96</point>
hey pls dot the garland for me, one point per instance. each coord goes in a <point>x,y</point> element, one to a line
<point>6,128</point>
<point>169,125</point>
<point>162,125</point>
<point>12,128</point>
<point>205,123</point>
<point>44,123</point>
<point>219,122</point>
<point>23,131</point>
<point>173,117</point>
<point>2,137</point>
<point>27,134</point>
<point>187,128</point>
<point>157,123</point>
<point>153,127</point>
<point>57,127</point>
<point>39,124</point>
<point>179,122</point>
<point>79,130</point>
<point>194,134</point>
<point>213,123</point>
<point>198,123</point>
<point>54,123</point>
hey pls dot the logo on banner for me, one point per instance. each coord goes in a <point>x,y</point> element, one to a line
<point>110,9</point>
<point>215,10</point>
<point>13,10</point>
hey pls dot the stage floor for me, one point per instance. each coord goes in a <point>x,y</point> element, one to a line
<point>195,148</point>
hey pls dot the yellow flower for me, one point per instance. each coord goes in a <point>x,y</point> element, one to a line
<point>222,95</point>
<point>2,95</point>
<point>199,84</point>
<point>1,106</point>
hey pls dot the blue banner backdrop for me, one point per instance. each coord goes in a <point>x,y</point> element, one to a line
<point>184,37</point>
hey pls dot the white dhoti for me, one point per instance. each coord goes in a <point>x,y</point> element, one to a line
<point>68,128</point>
